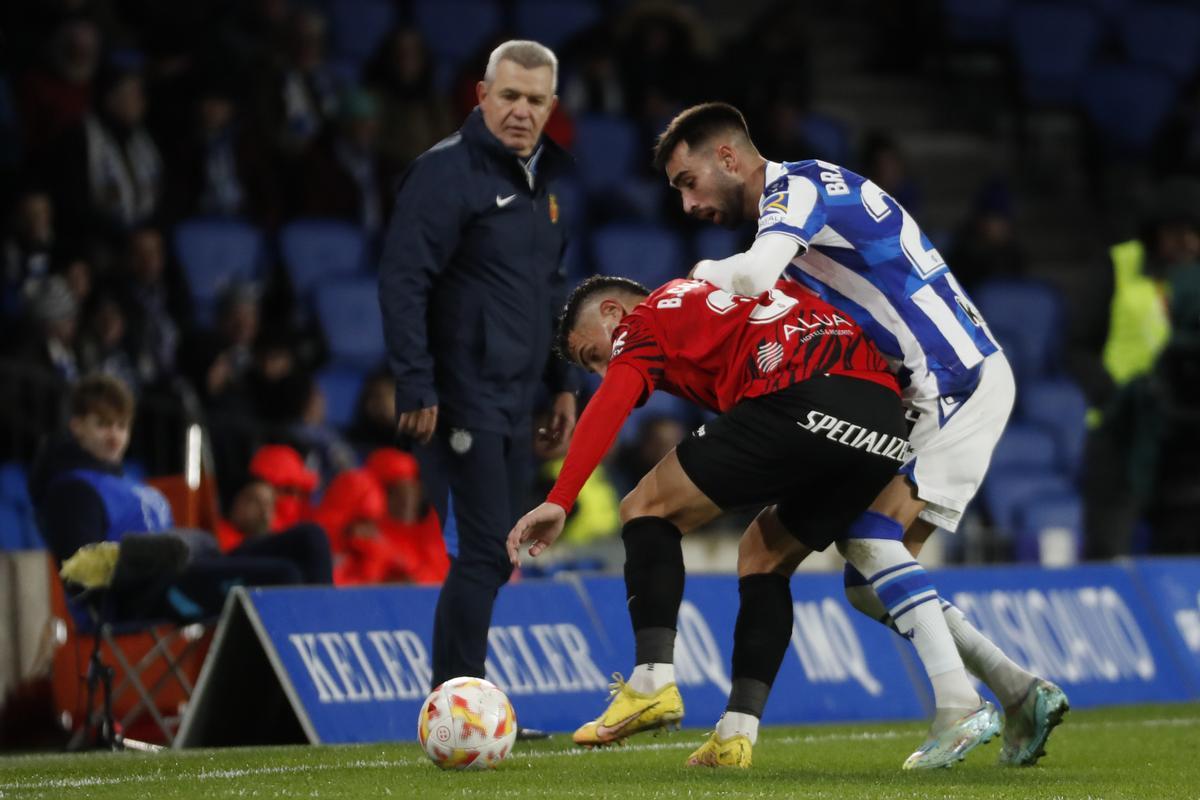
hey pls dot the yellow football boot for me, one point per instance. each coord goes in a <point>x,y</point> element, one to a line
<point>718,752</point>
<point>631,712</point>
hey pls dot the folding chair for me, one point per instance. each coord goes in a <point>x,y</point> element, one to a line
<point>156,664</point>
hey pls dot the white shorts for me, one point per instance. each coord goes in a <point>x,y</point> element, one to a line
<point>951,457</point>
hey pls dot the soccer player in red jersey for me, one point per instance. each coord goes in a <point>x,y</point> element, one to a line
<point>810,426</point>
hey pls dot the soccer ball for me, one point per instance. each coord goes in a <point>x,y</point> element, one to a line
<point>467,723</point>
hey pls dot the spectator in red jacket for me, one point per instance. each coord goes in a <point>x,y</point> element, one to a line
<point>293,482</point>
<point>411,525</point>
<point>351,512</point>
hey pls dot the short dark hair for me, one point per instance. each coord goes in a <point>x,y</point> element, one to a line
<point>101,394</point>
<point>696,125</point>
<point>583,292</point>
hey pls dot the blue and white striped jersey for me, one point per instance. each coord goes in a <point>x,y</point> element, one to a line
<point>862,252</point>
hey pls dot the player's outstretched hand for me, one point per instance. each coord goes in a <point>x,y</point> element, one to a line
<point>542,526</point>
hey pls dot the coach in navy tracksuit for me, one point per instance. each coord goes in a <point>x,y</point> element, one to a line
<point>470,284</point>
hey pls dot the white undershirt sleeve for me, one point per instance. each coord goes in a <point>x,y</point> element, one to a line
<point>753,272</point>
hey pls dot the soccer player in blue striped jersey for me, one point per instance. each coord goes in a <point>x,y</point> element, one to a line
<point>847,240</point>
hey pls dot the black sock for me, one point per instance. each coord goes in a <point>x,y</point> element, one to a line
<point>653,586</point>
<point>760,639</point>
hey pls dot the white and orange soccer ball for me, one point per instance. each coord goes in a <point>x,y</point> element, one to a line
<point>467,723</point>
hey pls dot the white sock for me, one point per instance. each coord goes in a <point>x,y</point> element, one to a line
<point>906,592</point>
<point>649,678</point>
<point>985,660</point>
<point>735,723</point>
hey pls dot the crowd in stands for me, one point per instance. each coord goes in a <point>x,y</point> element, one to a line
<point>169,170</point>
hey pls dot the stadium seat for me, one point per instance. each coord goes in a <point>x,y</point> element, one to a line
<point>1053,45</point>
<point>18,531</point>
<point>1162,35</point>
<point>315,250</point>
<point>1050,530</point>
<point>357,27</point>
<point>213,254</point>
<point>645,253</point>
<point>976,21</point>
<point>1025,316</point>
<point>605,150</point>
<point>659,404</point>
<point>554,22</point>
<point>456,29</point>
<point>14,485</point>
<point>1006,493</point>
<point>828,137</point>
<point>1127,105</point>
<point>349,315</point>
<point>341,387</point>
<point>1060,407</point>
<point>712,242</point>
<point>1025,446</point>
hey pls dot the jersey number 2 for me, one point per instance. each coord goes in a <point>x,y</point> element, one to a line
<point>925,262</point>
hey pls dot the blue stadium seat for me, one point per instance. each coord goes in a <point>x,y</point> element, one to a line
<point>645,253</point>
<point>14,486</point>
<point>1043,522</point>
<point>554,22</point>
<point>1162,35</point>
<point>1006,493</point>
<point>349,314</point>
<point>605,150</point>
<point>716,243</point>
<point>828,137</point>
<point>341,387</point>
<point>1025,445</point>
<point>1060,408</point>
<point>357,27</point>
<point>215,253</point>
<point>976,21</point>
<point>315,250</point>
<point>1026,317</point>
<point>456,29</point>
<point>1128,105</point>
<point>1053,45</point>
<point>659,404</point>
<point>17,529</point>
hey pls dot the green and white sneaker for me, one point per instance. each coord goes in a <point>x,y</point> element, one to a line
<point>1027,725</point>
<point>952,744</point>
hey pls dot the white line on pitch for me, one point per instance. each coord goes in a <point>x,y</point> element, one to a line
<point>225,774</point>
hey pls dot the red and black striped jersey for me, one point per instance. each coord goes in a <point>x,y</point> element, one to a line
<point>715,349</point>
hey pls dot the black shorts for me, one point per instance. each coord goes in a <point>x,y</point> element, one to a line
<point>821,450</point>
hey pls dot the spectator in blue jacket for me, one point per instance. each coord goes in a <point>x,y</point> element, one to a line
<point>470,284</point>
<point>82,496</point>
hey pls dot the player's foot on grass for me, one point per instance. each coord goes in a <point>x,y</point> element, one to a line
<point>631,712</point>
<point>718,752</point>
<point>952,743</point>
<point>1027,724</point>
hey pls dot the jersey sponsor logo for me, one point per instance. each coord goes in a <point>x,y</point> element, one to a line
<point>770,356</point>
<point>838,430</point>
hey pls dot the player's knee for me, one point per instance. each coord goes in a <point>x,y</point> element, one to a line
<point>753,559</point>
<point>633,505</point>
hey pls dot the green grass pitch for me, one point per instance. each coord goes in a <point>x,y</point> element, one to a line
<point>1135,752</point>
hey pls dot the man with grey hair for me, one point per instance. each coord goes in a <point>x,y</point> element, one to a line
<point>470,284</point>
